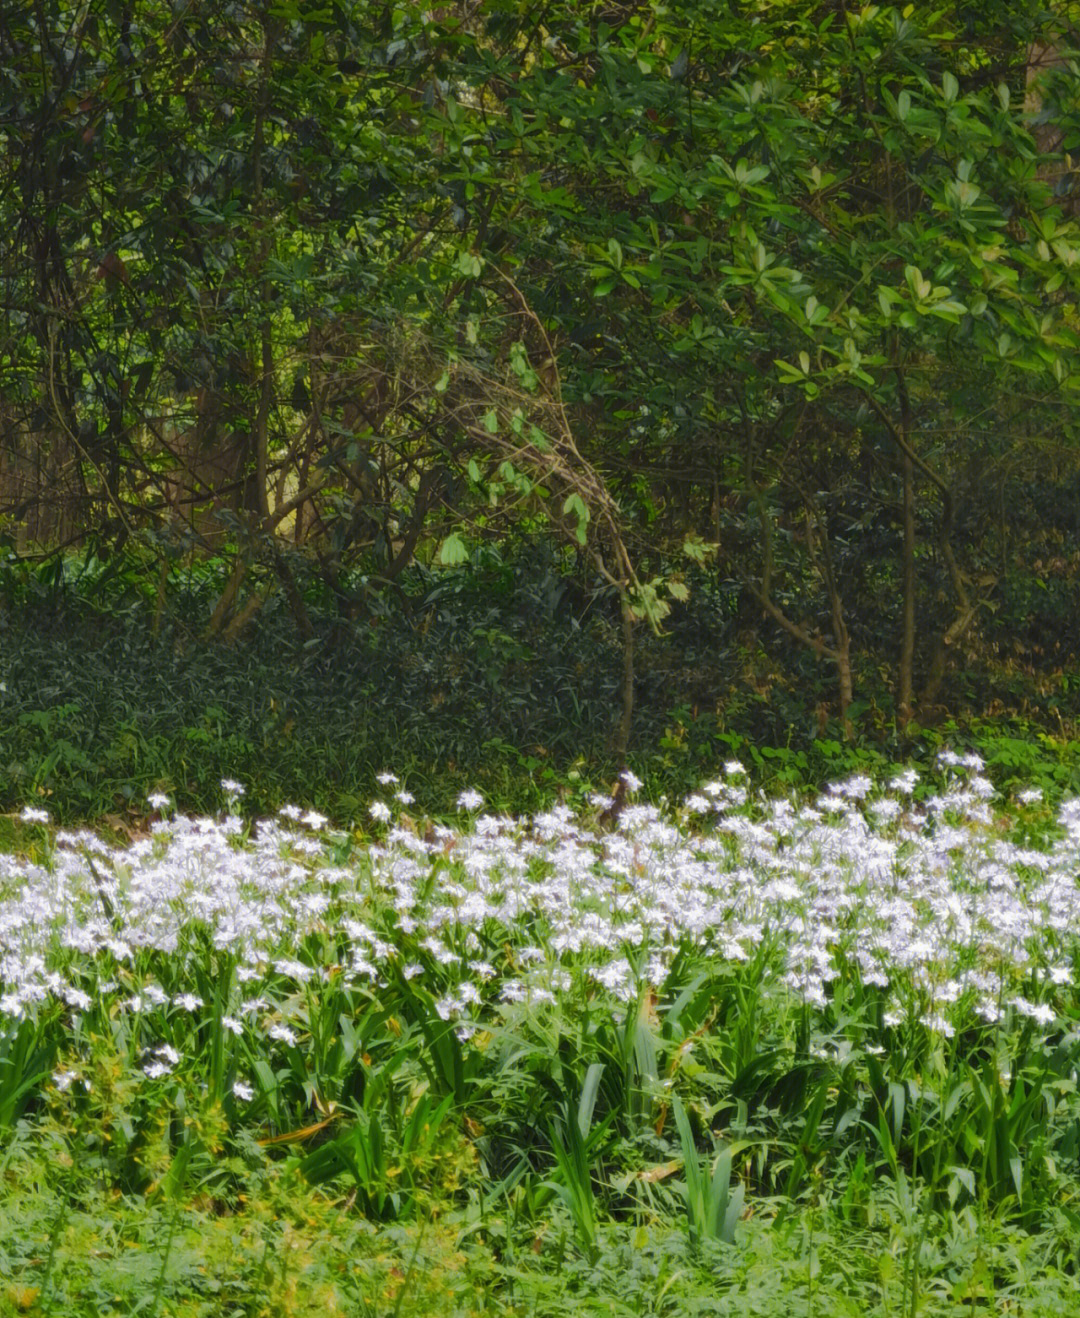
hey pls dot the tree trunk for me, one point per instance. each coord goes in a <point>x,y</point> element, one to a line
<point>259,503</point>
<point>228,598</point>
<point>906,683</point>
<point>841,654</point>
<point>844,682</point>
<point>626,716</point>
<point>292,593</point>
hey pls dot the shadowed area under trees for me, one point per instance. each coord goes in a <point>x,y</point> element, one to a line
<point>601,380</point>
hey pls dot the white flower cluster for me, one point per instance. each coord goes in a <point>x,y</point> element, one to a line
<point>933,902</point>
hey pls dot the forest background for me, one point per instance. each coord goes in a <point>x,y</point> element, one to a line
<point>506,391</point>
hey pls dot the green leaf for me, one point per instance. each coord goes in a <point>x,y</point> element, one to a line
<point>575,504</point>
<point>469,264</point>
<point>587,1102</point>
<point>921,287</point>
<point>1016,1171</point>
<point>789,374</point>
<point>452,551</point>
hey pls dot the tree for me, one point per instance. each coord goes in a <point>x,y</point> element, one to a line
<point>330,289</point>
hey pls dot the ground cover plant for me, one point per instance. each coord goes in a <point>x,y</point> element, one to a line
<point>503,676</point>
<point>739,1055</point>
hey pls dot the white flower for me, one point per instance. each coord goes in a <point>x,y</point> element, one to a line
<point>1030,796</point>
<point>1036,1011</point>
<point>188,1001</point>
<point>470,799</point>
<point>386,779</point>
<point>11,1005</point>
<point>232,1024</point>
<point>157,801</point>
<point>294,969</point>
<point>231,787</point>
<point>379,811</point>
<point>282,1033</point>
<point>632,781</point>
<point>936,1021</point>
<point>32,816</point>
<point>155,1070</point>
<point>62,1079</point>
<point>406,798</point>
<point>853,788</point>
<point>243,1092</point>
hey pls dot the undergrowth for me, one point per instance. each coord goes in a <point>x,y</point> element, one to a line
<point>503,676</point>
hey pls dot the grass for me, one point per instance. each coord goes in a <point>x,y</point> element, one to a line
<point>743,1056</point>
<point>75,1246</point>
<point>291,1250</point>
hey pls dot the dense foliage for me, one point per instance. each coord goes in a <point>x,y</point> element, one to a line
<point>789,289</point>
<point>503,676</point>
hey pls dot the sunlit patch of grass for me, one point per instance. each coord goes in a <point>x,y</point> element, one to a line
<point>74,1246</point>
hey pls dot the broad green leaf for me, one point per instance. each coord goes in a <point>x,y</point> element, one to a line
<point>452,551</point>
